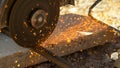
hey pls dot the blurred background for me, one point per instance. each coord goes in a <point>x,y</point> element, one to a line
<point>107,11</point>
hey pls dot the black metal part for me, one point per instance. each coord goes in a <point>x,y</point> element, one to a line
<point>38,19</point>
<point>64,2</point>
<point>93,5</point>
<point>72,2</point>
<point>53,58</point>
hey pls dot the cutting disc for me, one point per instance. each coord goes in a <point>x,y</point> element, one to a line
<point>32,21</point>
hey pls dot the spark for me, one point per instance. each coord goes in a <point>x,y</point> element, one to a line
<point>68,40</point>
<point>25,24</point>
<point>18,65</point>
<point>40,31</point>
<point>31,53</point>
<point>15,37</point>
<point>30,56</point>
<point>62,51</point>
<point>16,61</point>
<point>104,35</point>
<point>34,34</point>
<point>6,6</point>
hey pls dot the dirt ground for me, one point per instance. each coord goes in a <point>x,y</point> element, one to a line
<point>97,57</point>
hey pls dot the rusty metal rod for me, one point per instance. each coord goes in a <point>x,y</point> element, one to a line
<point>51,57</point>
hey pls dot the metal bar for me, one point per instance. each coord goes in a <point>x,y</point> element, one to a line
<point>51,57</point>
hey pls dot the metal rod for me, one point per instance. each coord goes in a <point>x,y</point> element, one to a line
<point>93,5</point>
<point>51,57</point>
